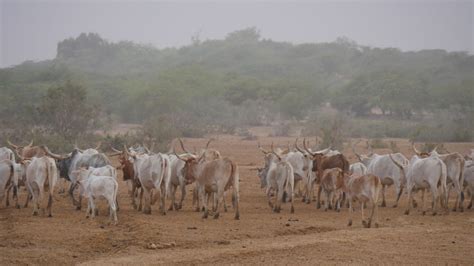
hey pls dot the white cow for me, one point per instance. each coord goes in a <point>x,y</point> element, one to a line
<point>41,176</point>
<point>421,174</point>
<point>11,176</point>
<point>154,172</point>
<point>277,175</point>
<point>455,167</point>
<point>469,180</point>
<point>383,167</point>
<point>98,186</point>
<point>6,154</point>
<point>357,169</point>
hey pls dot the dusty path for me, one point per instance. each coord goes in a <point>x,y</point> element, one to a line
<point>308,236</point>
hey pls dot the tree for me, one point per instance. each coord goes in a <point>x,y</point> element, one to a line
<point>66,112</point>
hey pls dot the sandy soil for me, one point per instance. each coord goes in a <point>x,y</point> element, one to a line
<point>309,236</point>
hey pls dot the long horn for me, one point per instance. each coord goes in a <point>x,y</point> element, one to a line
<point>146,148</point>
<point>354,151</point>
<point>182,145</point>
<point>262,149</point>
<point>369,148</point>
<point>98,145</point>
<point>152,146</point>
<point>414,149</point>
<point>306,148</point>
<point>31,144</point>
<point>50,154</point>
<point>208,142</point>
<point>395,162</point>
<point>19,156</point>
<point>125,150</point>
<point>298,148</point>
<point>115,150</point>
<point>279,158</point>
<point>179,157</point>
<point>13,145</point>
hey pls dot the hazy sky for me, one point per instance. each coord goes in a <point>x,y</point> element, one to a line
<point>30,30</point>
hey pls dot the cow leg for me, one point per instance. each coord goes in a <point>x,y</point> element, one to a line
<point>269,197</point>
<point>279,200</point>
<point>351,211</point>
<point>223,201</point>
<point>423,207</point>
<point>15,196</point>
<point>172,195</point>
<point>410,199</point>
<point>472,199</point>
<point>113,210</point>
<point>318,203</point>
<point>460,197</point>
<point>50,203</point>
<point>364,222</point>
<point>93,207</point>
<point>202,197</point>
<point>383,197</point>
<point>219,199</point>
<point>71,193</point>
<point>140,202</point>
<point>372,211</point>
<point>399,190</point>
<point>183,194</point>
<point>163,198</point>
<point>147,207</point>
<point>236,202</point>
<point>326,205</point>
<point>434,194</point>
<point>133,194</point>
<point>81,191</point>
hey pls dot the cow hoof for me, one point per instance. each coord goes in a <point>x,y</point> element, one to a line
<point>349,223</point>
<point>461,209</point>
<point>318,206</point>
<point>163,213</point>
<point>338,210</point>
<point>415,205</point>
<point>204,216</point>
<point>216,216</point>
<point>18,206</point>
<point>50,216</point>
<point>423,213</point>
<point>78,208</point>
<point>170,208</point>
<point>434,213</point>
<point>365,224</point>
<point>292,209</point>
<point>197,209</point>
<point>35,214</point>
<point>394,206</point>
<point>376,225</point>
<point>407,212</point>
<point>383,204</point>
<point>469,206</point>
<point>237,217</point>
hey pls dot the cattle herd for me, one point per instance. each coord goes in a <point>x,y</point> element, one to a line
<point>286,174</point>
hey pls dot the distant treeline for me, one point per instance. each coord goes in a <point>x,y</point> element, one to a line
<point>244,79</point>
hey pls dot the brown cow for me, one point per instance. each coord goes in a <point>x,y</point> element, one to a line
<point>364,189</point>
<point>214,176</point>
<point>322,162</point>
<point>332,183</point>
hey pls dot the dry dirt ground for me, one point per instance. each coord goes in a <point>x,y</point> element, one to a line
<point>308,236</point>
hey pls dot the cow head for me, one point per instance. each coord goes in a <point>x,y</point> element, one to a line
<point>424,154</point>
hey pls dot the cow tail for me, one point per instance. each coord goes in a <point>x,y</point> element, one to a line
<point>291,181</point>
<point>376,189</point>
<point>443,177</point>
<point>115,195</point>
<point>235,185</point>
<point>168,175</point>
